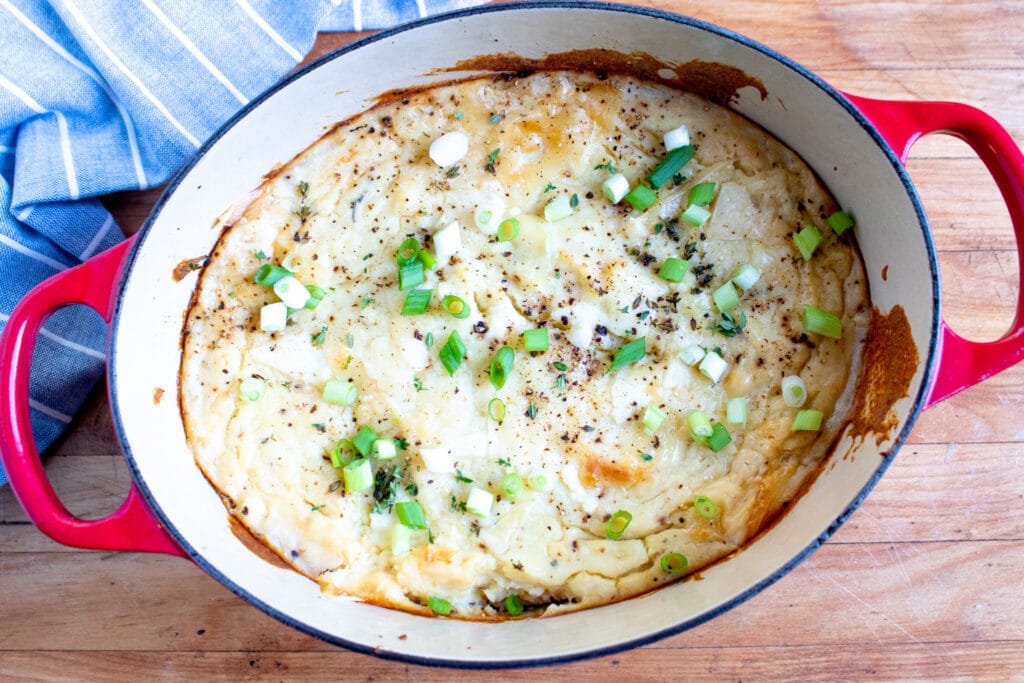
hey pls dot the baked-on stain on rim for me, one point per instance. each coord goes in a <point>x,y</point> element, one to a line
<point>798,70</point>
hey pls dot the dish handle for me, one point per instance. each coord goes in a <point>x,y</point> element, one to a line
<point>963,363</point>
<point>132,526</point>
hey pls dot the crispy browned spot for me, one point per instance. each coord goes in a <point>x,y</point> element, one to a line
<point>254,545</point>
<point>158,395</point>
<point>889,362</point>
<point>187,266</point>
<point>597,472</point>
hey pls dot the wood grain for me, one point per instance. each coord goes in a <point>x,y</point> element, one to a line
<point>922,582</point>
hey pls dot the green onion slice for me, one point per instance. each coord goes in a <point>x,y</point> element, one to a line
<point>701,194</point>
<point>417,301</point>
<point>673,269</point>
<point>339,392</point>
<point>452,353</point>
<point>794,391</point>
<point>268,274</point>
<point>557,209</point>
<point>726,297</point>
<point>705,507</point>
<point>364,439</point>
<point>384,449</point>
<point>408,251</point>
<point>252,389</point>
<point>696,215</point>
<point>670,165</point>
<point>822,322</point>
<point>653,417</point>
<point>736,410</point>
<point>628,353</point>
<point>807,421</point>
<point>508,230</point>
<point>536,340</point>
<point>501,366</point>
<point>496,410</point>
<point>617,524</point>
<point>428,260</point>
<point>641,197</point>
<point>439,605</point>
<point>692,354</point>
<point>746,277</point>
<point>514,605</point>
<point>316,295</point>
<point>807,240</point>
<point>455,306</point>
<point>673,563</point>
<point>700,426</point>
<point>840,222</point>
<point>410,275</point>
<point>401,540</point>
<point>343,453</point>
<point>538,482</point>
<point>719,438</point>
<point>358,475</point>
<point>410,514</point>
<point>512,485</point>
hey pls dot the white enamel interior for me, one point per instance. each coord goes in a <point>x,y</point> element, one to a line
<point>801,114</point>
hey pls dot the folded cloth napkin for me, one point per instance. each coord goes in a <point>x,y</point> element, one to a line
<point>98,96</point>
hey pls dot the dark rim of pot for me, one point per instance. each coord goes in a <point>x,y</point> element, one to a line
<point>751,591</point>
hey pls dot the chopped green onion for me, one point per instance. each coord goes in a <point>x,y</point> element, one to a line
<point>701,194</point>
<point>358,475</point>
<point>427,259</point>
<point>653,417</point>
<point>807,421</point>
<point>455,306</point>
<point>479,502</point>
<point>538,482</point>
<point>746,277</point>
<point>617,524</point>
<point>501,366</point>
<point>293,262</point>
<point>514,605</point>
<point>670,165</point>
<point>408,251</point>
<point>536,340</point>
<point>807,240</point>
<point>401,540</point>
<point>794,392</point>
<point>736,410</point>
<point>840,222</point>
<point>440,605</point>
<point>496,409</point>
<point>719,438</point>
<point>384,449</point>
<point>274,317</point>
<point>677,137</point>
<point>822,322</point>
<point>342,453</point>
<point>628,353</point>
<point>484,219</point>
<point>316,295</point>
<point>641,197</point>
<point>452,353</point>
<point>410,514</point>
<point>692,354</point>
<point>615,188</point>
<point>673,269</point>
<point>696,215</point>
<point>673,563</point>
<point>508,230</point>
<point>726,297</point>
<point>410,275</point>
<point>417,301</point>
<point>713,366</point>
<point>292,292</point>
<point>705,507</point>
<point>252,389</point>
<point>268,274</point>
<point>557,209</point>
<point>700,426</point>
<point>364,439</point>
<point>339,392</point>
<point>512,485</point>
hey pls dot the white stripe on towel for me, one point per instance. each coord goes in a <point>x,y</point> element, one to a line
<point>269,30</point>
<point>35,255</point>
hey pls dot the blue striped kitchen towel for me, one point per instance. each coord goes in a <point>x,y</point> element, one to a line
<point>98,96</point>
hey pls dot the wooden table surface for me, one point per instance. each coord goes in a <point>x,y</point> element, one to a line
<point>923,582</point>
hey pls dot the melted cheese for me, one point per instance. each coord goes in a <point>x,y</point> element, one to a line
<point>346,204</point>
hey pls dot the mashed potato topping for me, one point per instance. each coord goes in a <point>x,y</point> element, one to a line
<point>431,462</point>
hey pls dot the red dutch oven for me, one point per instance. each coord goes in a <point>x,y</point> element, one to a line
<point>856,145</point>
